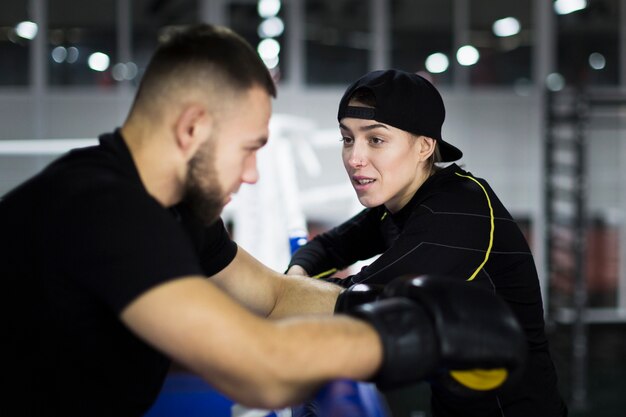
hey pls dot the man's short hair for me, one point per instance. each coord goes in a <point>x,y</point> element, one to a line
<point>198,56</point>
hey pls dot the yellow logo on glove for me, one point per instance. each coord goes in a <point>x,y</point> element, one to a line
<point>481,379</point>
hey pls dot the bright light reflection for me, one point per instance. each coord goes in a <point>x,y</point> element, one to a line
<point>569,6</point>
<point>467,55</point>
<point>268,8</point>
<point>72,54</point>
<point>555,82</point>
<point>26,30</point>
<point>508,26</point>
<point>119,71</point>
<point>597,61</point>
<point>271,28</point>
<point>268,49</point>
<point>131,70</point>
<point>98,61</point>
<point>59,54</point>
<point>271,63</point>
<point>437,63</point>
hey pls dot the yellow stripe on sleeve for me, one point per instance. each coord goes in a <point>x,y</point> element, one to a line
<point>492,222</point>
<point>325,273</point>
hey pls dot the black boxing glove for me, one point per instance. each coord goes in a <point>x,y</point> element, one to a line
<point>407,333</point>
<point>482,347</point>
<point>436,327</point>
<point>357,294</point>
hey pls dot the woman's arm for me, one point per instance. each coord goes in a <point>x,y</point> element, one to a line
<point>432,244</point>
<point>357,239</point>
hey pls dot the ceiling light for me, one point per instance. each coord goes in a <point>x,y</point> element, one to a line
<point>26,30</point>
<point>569,6</point>
<point>272,27</point>
<point>98,61</point>
<point>268,8</point>
<point>555,82</point>
<point>268,48</point>
<point>437,63</point>
<point>467,55</point>
<point>597,61</point>
<point>508,26</point>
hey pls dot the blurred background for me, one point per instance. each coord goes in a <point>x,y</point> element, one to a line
<point>535,92</point>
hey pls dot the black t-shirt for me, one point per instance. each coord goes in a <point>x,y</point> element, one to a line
<point>78,243</point>
<point>454,225</point>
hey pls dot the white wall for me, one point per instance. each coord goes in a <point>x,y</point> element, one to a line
<point>498,131</point>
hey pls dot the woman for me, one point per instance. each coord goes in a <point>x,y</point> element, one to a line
<point>423,219</point>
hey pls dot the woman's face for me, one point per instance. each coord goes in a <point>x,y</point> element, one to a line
<point>385,164</point>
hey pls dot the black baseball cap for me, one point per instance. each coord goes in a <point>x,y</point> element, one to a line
<point>404,100</point>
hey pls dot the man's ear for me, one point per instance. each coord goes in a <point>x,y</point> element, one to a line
<point>427,147</point>
<point>192,128</point>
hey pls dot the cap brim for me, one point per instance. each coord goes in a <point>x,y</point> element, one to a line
<point>448,152</point>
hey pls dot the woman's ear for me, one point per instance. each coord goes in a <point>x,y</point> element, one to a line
<point>426,147</point>
<point>192,128</point>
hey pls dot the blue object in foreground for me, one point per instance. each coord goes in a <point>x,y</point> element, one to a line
<point>297,239</point>
<point>188,395</point>
<point>345,398</point>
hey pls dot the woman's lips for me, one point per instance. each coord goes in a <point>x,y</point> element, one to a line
<point>361,183</point>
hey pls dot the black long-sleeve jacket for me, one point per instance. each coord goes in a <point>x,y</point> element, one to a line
<point>454,225</point>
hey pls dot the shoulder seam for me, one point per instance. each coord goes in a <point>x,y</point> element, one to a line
<point>442,245</point>
<point>464,214</point>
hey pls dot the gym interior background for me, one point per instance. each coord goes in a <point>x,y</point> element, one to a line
<point>535,93</point>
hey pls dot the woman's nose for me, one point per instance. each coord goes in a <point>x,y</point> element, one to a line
<point>357,157</point>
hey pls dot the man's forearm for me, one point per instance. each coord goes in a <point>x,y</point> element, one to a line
<point>271,294</point>
<point>295,354</point>
<point>304,295</point>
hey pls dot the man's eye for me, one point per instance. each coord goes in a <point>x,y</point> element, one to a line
<point>376,141</point>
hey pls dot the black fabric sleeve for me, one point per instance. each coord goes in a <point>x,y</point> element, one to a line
<point>357,239</point>
<point>432,244</point>
<point>212,243</point>
<point>118,242</point>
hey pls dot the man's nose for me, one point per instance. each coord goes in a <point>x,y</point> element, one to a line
<point>250,174</point>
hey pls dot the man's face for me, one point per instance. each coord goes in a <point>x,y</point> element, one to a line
<point>228,158</point>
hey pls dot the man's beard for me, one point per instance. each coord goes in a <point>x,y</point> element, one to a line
<point>203,194</point>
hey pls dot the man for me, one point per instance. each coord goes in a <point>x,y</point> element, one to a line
<point>105,254</point>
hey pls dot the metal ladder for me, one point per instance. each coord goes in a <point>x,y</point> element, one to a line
<point>565,209</point>
<point>572,116</point>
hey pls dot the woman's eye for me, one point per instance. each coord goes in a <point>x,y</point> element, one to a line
<point>376,141</point>
<point>346,140</point>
